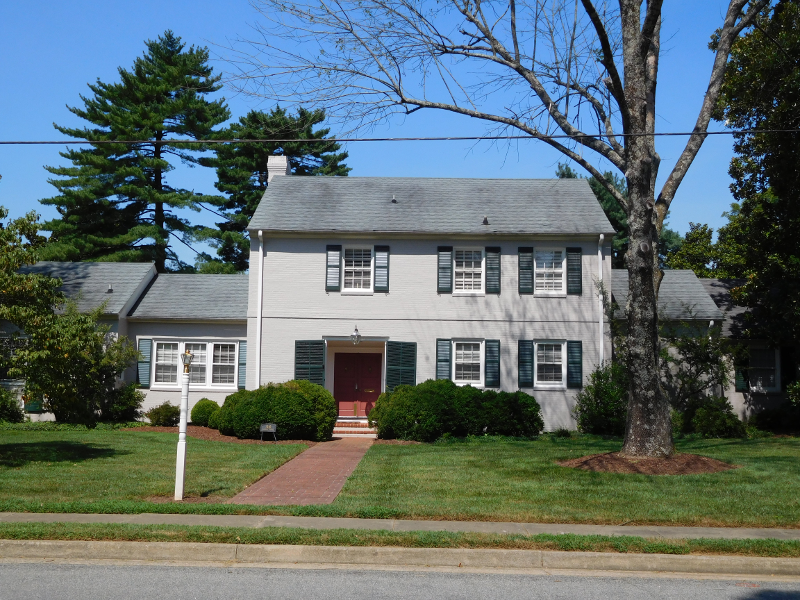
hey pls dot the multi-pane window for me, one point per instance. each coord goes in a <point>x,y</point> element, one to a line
<point>220,360</point>
<point>197,370</point>
<point>223,369</point>
<point>549,271</point>
<point>763,372</point>
<point>167,362</point>
<point>549,363</point>
<point>468,270</point>
<point>467,362</point>
<point>358,269</point>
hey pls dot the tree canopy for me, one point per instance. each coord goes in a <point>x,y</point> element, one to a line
<point>115,200</point>
<point>242,173</point>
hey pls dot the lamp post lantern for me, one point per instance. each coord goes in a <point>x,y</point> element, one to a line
<point>180,465</point>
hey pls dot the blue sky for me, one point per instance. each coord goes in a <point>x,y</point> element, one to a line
<point>51,50</point>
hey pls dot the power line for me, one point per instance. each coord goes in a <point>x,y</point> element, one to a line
<point>464,138</point>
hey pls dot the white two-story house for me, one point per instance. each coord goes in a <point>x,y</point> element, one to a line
<point>361,283</point>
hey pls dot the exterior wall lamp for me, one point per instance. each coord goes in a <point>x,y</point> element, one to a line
<point>180,465</point>
<point>355,337</point>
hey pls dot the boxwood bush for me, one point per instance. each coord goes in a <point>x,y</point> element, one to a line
<point>428,411</point>
<point>301,410</point>
<point>602,406</point>
<point>202,411</point>
<point>715,418</point>
<point>165,415</point>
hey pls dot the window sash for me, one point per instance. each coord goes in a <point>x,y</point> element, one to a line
<point>197,370</point>
<point>223,369</point>
<point>468,270</point>
<point>357,269</point>
<point>549,363</point>
<point>467,362</point>
<point>549,271</point>
<point>762,372</point>
<point>166,362</point>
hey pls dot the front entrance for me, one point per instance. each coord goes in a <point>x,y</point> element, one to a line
<point>356,382</point>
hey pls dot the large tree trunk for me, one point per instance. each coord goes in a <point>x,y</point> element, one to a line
<point>158,184</point>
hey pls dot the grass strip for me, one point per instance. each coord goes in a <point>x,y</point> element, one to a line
<point>414,539</point>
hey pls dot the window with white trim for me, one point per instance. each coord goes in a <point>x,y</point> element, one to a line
<point>223,370</point>
<point>215,364</point>
<point>166,358</point>
<point>468,270</point>
<point>548,271</point>
<point>357,269</point>
<point>763,370</point>
<point>550,367</point>
<point>468,362</point>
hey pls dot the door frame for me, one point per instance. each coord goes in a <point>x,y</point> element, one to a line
<point>343,345</point>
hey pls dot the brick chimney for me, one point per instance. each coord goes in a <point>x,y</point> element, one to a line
<point>277,165</point>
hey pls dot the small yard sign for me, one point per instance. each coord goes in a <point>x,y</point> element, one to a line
<point>269,428</point>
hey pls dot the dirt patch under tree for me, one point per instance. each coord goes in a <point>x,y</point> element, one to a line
<point>677,464</point>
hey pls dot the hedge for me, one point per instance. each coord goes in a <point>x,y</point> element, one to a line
<point>202,411</point>
<point>428,411</point>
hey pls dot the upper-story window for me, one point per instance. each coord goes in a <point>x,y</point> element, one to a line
<point>468,270</point>
<point>357,269</point>
<point>549,269</point>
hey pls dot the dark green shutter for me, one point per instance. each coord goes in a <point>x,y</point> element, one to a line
<point>491,364</point>
<point>574,364</point>
<point>574,272</point>
<point>143,366</point>
<point>492,270</point>
<point>333,265</point>
<point>401,364</point>
<point>525,364</point>
<point>445,270</point>
<point>740,382</point>
<point>242,364</point>
<point>309,360</point>
<point>525,259</point>
<point>444,349</point>
<point>381,268</point>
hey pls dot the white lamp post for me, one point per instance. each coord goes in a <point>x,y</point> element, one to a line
<point>180,465</point>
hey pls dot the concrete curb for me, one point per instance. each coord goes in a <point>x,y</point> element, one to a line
<point>275,555</point>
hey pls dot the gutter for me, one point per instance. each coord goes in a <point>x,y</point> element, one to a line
<point>260,310</point>
<point>600,297</point>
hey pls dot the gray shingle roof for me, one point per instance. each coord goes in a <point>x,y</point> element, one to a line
<point>681,296</point>
<point>194,297</point>
<point>720,291</point>
<point>87,282</point>
<point>448,206</point>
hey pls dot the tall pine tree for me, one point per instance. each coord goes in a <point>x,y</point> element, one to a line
<point>242,173</point>
<point>116,202</point>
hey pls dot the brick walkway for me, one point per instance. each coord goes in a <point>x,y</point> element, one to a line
<point>314,477</point>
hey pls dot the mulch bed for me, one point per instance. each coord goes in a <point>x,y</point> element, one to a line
<point>205,433</point>
<point>677,464</point>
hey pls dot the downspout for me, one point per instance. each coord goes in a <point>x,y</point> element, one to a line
<point>260,311</point>
<point>600,296</point>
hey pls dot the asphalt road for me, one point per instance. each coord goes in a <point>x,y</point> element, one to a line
<point>23,581</point>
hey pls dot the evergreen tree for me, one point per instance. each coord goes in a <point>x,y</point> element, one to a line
<point>115,201</point>
<point>669,241</point>
<point>242,173</point>
<point>760,94</point>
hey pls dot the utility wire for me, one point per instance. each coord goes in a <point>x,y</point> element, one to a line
<point>468,138</point>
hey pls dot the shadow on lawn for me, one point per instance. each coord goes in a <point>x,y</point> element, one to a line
<point>18,455</point>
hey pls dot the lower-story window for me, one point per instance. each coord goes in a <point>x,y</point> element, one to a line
<point>219,359</point>
<point>468,363</point>
<point>550,369</point>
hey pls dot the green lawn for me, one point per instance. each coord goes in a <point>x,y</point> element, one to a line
<point>100,466</point>
<point>519,481</point>
<point>411,539</point>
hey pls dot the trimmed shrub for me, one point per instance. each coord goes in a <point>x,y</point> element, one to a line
<point>202,411</point>
<point>124,405</point>
<point>601,407</point>
<point>166,415</point>
<point>300,409</point>
<point>224,419</point>
<point>10,410</point>
<point>437,408</point>
<point>213,419</point>
<point>781,419</point>
<point>715,418</point>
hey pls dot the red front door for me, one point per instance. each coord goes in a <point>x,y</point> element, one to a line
<point>356,382</point>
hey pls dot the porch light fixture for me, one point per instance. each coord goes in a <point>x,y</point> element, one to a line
<point>355,337</point>
<point>180,463</point>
